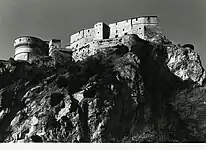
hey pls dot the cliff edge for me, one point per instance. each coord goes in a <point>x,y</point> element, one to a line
<point>131,91</point>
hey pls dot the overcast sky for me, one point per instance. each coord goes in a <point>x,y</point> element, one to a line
<point>182,21</point>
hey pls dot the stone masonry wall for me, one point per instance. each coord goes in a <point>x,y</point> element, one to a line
<point>85,42</point>
<point>101,31</point>
<point>118,29</point>
<point>81,38</point>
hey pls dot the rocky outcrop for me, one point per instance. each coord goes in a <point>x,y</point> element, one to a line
<point>129,92</point>
<point>185,63</point>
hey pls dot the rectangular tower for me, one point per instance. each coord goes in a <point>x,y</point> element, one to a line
<point>101,31</point>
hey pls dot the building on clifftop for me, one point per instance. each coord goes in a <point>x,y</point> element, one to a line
<point>28,46</point>
<point>85,42</point>
<point>144,27</point>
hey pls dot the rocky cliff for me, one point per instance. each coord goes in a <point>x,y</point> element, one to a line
<point>134,91</point>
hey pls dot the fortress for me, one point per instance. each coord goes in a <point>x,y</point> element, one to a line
<point>26,46</point>
<point>101,30</point>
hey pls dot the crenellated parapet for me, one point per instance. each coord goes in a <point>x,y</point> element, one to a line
<point>86,41</point>
<point>138,26</point>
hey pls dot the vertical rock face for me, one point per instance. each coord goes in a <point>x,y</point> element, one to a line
<point>134,91</point>
<point>117,97</point>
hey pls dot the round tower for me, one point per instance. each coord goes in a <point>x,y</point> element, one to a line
<point>28,46</point>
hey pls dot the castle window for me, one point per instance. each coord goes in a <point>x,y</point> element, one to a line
<point>139,28</point>
<point>125,33</point>
<point>19,39</point>
<point>97,32</point>
<point>116,36</point>
<point>116,23</point>
<point>88,30</point>
<point>123,29</point>
<point>116,31</point>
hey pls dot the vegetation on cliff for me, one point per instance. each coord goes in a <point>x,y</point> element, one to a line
<point>134,91</point>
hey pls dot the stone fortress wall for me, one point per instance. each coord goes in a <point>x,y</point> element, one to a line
<point>101,30</point>
<point>27,46</point>
<point>86,42</point>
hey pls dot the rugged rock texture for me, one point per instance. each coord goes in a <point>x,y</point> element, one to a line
<point>135,91</point>
<point>185,63</point>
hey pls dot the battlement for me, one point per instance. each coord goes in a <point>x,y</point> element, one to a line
<point>145,20</point>
<point>101,30</point>
<point>144,26</point>
<point>25,46</point>
<point>29,41</point>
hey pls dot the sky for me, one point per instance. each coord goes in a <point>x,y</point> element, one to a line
<point>182,21</point>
